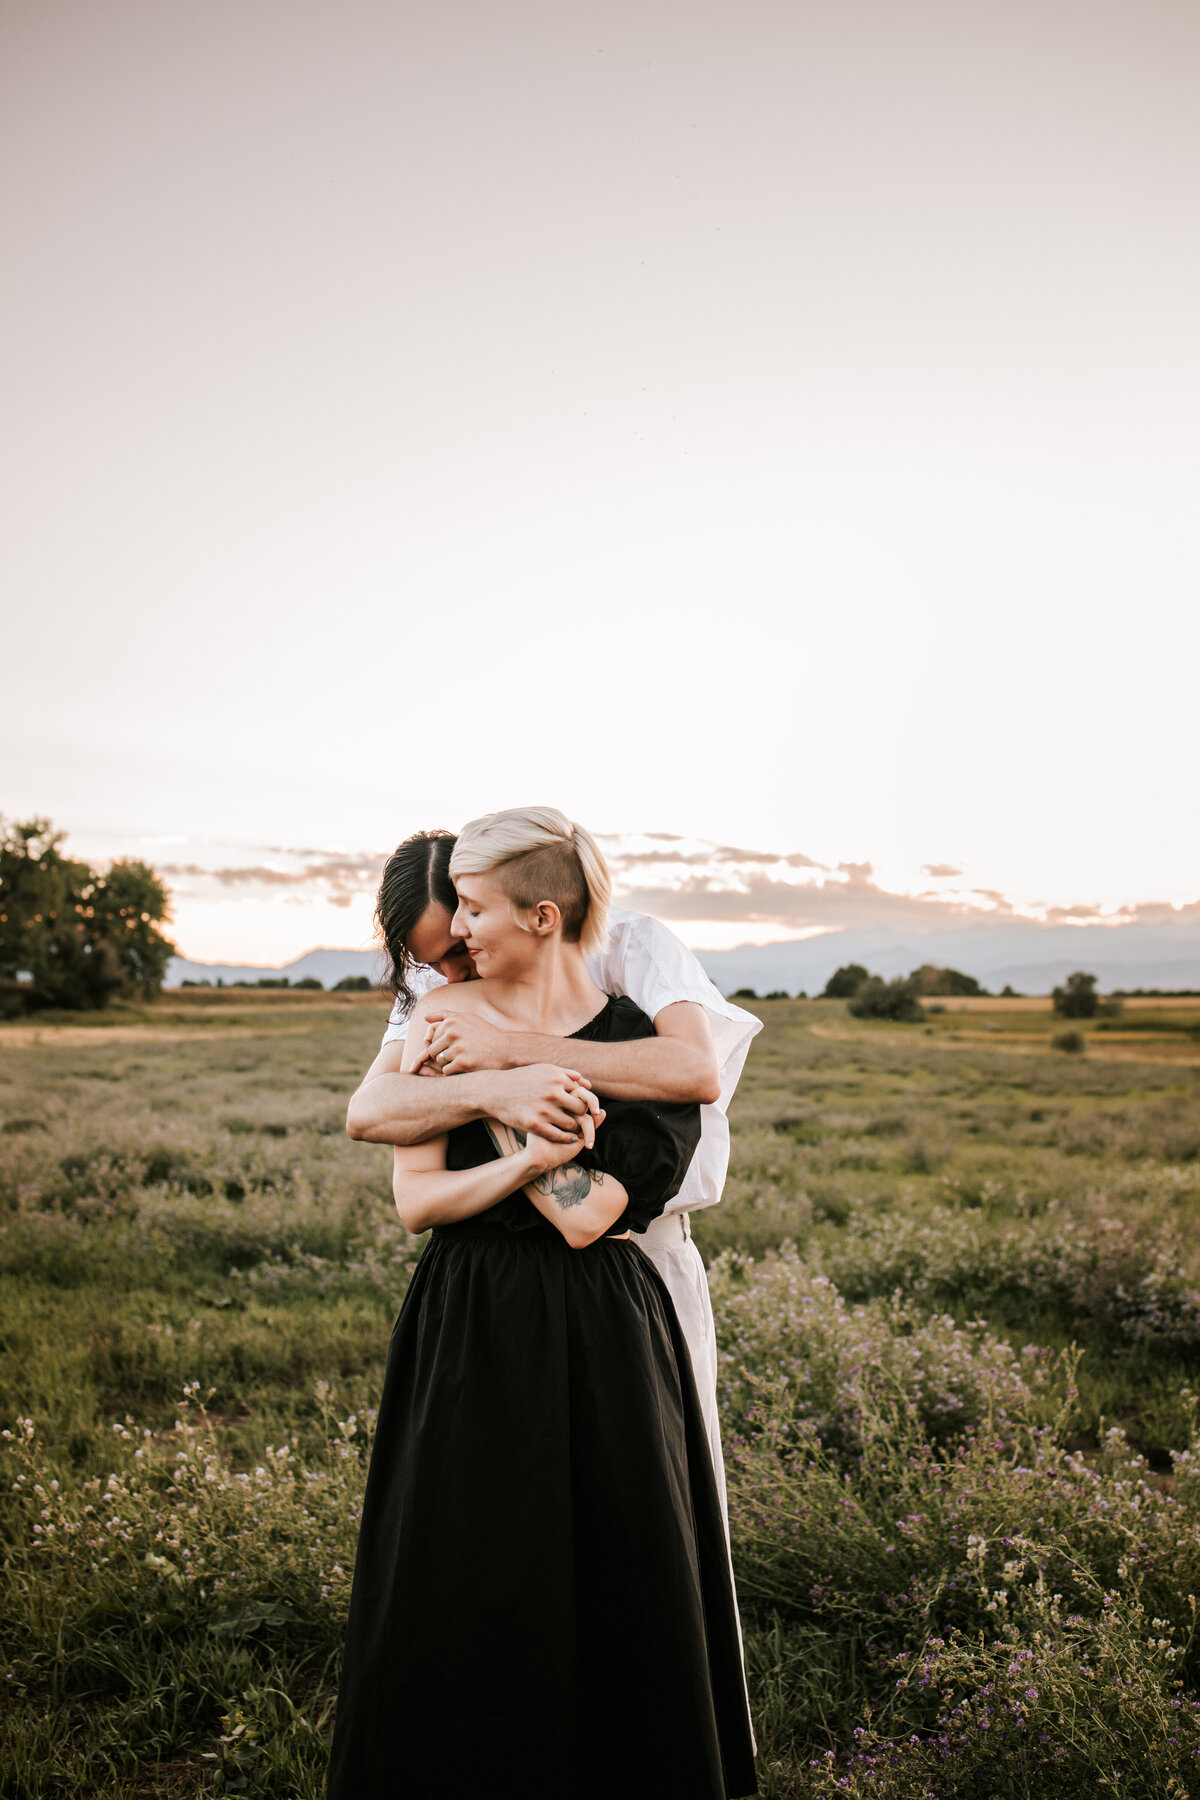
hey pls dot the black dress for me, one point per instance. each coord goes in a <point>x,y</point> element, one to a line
<point>542,1604</point>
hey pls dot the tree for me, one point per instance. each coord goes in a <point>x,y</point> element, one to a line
<point>930,979</point>
<point>309,981</point>
<point>845,982</point>
<point>1078,999</point>
<point>879,999</point>
<point>742,994</point>
<point>80,937</point>
<point>352,984</point>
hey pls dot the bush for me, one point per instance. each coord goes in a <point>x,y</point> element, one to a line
<point>878,999</point>
<point>1121,1282</point>
<point>929,979</point>
<point>1073,1043</point>
<point>352,984</point>
<point>310,981</point>
<point>1078,999</point>
<point>743,994</point>
<point>845,982</point>
<point>777,994</point>
<point>1008,1616</point>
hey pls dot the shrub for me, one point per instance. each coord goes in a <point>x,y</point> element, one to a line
<point>778,1323</point>
<point>352,984</point>
<point>1078,999</point>
<point>1003,1610</point>
<point>929,979</point>
<point>1072,1043</point>
<point>844,982</point>
<point>875,998</point>
<point>744,994</point>
<point>1126,1284</point>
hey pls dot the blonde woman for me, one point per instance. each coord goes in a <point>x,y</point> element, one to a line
<point>542,1603</point>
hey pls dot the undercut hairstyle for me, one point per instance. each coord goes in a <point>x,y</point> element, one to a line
<point>537,854</point>
<point>416,876</point>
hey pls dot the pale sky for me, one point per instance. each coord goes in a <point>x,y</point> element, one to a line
<point>775,424</point>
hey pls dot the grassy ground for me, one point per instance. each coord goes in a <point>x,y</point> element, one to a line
<point>967,1553</point>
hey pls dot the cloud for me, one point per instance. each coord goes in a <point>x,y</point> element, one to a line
<point>685,879</point>
<point>336,877</point>
<point>854,901</point>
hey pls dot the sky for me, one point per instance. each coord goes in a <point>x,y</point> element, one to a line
<point>771,424</point>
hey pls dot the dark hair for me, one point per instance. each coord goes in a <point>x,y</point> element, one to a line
<point>416,876</point>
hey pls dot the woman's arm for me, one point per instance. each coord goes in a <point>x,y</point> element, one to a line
<point>394,1106</point>
<point>580,1203</point>
<point>679,1063</point>
<point>428,1193</point>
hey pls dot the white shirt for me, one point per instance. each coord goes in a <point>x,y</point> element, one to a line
<point>648,963</point>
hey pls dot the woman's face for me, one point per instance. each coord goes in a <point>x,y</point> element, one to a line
<point>496,944</point>
<point>432,942</point>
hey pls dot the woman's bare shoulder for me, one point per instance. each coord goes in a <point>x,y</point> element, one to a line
<point>451,996</point>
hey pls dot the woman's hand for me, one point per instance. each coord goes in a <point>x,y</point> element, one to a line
<point>461,1043</point>
<point>540,1154</point>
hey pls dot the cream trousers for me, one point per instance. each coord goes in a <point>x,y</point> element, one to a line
<point>668,1244</point>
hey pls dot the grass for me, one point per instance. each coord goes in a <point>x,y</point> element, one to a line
<point>956,1286</point>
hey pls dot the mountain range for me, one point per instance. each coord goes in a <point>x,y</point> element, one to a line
<point>1031,957</point>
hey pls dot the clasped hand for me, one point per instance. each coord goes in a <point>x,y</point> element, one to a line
<point>461,1044</point>
<point>540,1099</point>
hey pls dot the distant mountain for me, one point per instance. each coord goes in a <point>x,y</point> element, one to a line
<point>1030,957</point>
<point>327,965</point>
<point>1033,959</point>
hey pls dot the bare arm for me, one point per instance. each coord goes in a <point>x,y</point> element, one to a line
<point>427,1193</point>
<point>580,1203</point>
<point>678,1063</point>
<point>392,1105</point>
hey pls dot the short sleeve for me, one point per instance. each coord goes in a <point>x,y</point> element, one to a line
<point>420,980</point>
<point>645,960</point>
<point>646,1146</point>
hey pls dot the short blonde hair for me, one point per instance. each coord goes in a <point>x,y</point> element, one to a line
<point>539,855</point>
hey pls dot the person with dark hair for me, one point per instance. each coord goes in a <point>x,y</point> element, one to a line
<point>415,890</point>
<point>541,1518</point>
<point>556,1087</point>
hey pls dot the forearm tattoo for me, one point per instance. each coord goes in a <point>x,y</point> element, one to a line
<point>567,1186</point>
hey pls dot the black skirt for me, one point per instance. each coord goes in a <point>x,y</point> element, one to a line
<point>542,1603</point>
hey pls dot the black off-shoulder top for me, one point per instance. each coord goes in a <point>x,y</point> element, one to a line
<point>646,1145</point>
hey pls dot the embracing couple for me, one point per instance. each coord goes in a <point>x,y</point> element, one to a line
<point>542,1603</point>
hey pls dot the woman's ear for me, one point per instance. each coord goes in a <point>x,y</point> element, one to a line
<point>544,918</point>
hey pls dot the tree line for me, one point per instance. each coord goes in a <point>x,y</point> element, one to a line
<point>870,996</point>
<point>75,938</point>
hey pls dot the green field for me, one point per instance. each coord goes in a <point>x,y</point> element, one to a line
<point>955,1279</point>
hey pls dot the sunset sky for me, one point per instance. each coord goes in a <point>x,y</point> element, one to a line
<point>773,424</point>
